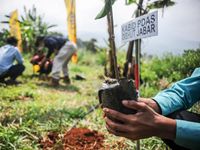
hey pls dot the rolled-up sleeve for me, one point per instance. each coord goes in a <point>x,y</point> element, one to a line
<point>182,95</point>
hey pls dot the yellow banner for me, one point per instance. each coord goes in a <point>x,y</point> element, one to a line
<point>71,19</point>
<point>71,24</point>
<point>15,28</point>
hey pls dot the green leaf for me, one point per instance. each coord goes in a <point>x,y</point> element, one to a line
<point>7,16</point>
<point>128,2</point>
<point>51,26</point>
<point>6,22</point>
<point>161,4</point>
<point>106,9</point>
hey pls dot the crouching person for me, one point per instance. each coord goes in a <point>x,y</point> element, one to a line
<point>63,49</point>
<point>8,54</point>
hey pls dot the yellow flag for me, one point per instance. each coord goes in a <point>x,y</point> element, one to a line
<point>15,28</point>
<point>71,23</point>
<point>71,19</point>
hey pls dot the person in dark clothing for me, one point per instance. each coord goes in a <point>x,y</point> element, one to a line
<point>63,50</point>
<point>8,54</point>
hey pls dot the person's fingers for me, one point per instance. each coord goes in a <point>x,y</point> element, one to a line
<point>145,100</point>
<point>121,134</point>
<point>139,106</point>
<point>110,130</point>
<point>117,126</point>
<point>151,103</point>
<point>117,115</point>
<point>134,104</point>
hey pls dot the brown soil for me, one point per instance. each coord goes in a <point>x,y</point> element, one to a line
<point>50,140</point>
<point>75,139</point>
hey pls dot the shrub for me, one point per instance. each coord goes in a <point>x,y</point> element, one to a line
<point>190,61</point>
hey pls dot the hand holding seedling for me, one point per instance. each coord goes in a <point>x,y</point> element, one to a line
<point>147,122</point>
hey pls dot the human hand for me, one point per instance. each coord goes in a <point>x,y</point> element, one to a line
<point>151,103</point>
<point>41,63</point>
<point>145,123</point>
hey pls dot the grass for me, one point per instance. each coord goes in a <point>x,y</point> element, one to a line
<point>30,110</point>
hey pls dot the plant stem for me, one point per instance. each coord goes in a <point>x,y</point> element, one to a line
<point>112,42</point>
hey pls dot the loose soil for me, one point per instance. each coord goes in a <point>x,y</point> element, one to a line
<point>75,139</point>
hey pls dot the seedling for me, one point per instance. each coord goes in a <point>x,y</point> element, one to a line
<point>113,93</point>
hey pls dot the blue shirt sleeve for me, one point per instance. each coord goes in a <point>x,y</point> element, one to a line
<point>18,57</point>
<point>182,95</point>
<point>188,134</point>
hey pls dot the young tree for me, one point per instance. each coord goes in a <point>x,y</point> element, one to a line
<point>107,11</point>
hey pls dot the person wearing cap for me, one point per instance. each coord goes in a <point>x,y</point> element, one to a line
<point>164,116</point>
<point>63,50</point>
<point>8,54</point>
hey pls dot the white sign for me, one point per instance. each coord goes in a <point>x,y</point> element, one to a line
<point>141,27</point>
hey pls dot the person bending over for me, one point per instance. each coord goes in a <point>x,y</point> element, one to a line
<point>63,50</point>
